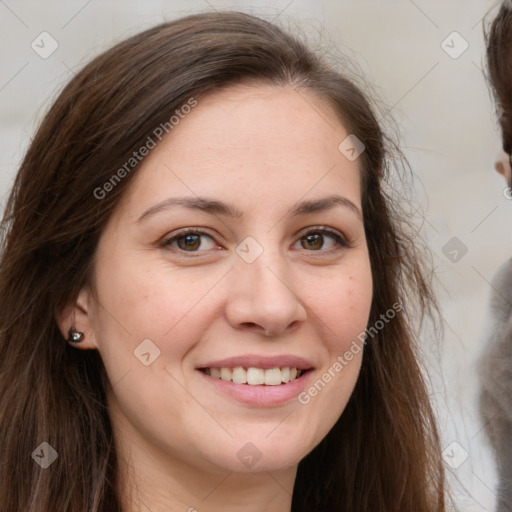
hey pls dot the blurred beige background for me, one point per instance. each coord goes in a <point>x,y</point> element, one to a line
<point>436,91</point>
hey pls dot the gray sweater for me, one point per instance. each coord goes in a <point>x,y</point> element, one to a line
<point>495,363</point>
<point>495,372</point>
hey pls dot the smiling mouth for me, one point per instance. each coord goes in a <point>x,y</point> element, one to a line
<point>255,376</point>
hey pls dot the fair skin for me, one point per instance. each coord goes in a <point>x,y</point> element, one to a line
<point>262,149</point>
<point>502,166</point>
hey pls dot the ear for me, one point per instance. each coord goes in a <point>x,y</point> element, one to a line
<point>80,316</point>
<point>502,166</point>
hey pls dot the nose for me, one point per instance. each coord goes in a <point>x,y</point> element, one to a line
<point>262,298</point>
<point>502,166</point>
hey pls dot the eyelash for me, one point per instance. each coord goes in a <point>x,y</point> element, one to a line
<point>341,242</point>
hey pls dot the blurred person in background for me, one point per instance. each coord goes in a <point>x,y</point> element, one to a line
<point>495,363</point>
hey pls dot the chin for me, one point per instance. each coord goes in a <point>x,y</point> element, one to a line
<point>263,454</point>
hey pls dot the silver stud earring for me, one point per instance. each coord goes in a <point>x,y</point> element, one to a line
<point>75,336</point>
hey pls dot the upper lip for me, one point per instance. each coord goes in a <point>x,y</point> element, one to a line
<point>256,361</point>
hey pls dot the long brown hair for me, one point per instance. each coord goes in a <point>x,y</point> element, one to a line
<point>383,454</point>
<point>499,66</point>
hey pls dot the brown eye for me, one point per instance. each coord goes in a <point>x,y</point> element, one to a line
<point>314,242</point>
<point>321,238</point>
<point>190,241</point>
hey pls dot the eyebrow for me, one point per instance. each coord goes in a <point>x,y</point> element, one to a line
<point>213,206</point>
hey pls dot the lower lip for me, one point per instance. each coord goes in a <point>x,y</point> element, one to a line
<point>262,396</point>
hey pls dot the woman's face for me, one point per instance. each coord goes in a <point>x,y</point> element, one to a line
<point>256,174</point>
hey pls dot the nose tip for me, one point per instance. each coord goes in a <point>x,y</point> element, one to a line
<point>261,300</point>
<point>502,166</point>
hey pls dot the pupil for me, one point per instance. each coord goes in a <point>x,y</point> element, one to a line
<point>313,240</point>
<point>190,241</point>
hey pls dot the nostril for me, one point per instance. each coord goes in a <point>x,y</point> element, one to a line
<point>249,324</point>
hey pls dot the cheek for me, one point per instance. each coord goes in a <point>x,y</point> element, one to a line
<point>147,310</point>
<point>140,299</point>
<point>343,307</point>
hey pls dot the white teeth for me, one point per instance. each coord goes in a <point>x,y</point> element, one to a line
<point>255,376</point>
<point>239,375</point>
<point>226,374</point>
<point>273,377</point>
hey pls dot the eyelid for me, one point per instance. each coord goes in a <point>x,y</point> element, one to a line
<point>323,230</point>
<point>186,231</point>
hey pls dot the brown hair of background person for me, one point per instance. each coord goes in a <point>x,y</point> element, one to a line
<point>383,454</point>
<point>499,67</point>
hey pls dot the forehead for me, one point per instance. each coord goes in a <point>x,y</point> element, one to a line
<point>246,139</point>
<point>250,116</point>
